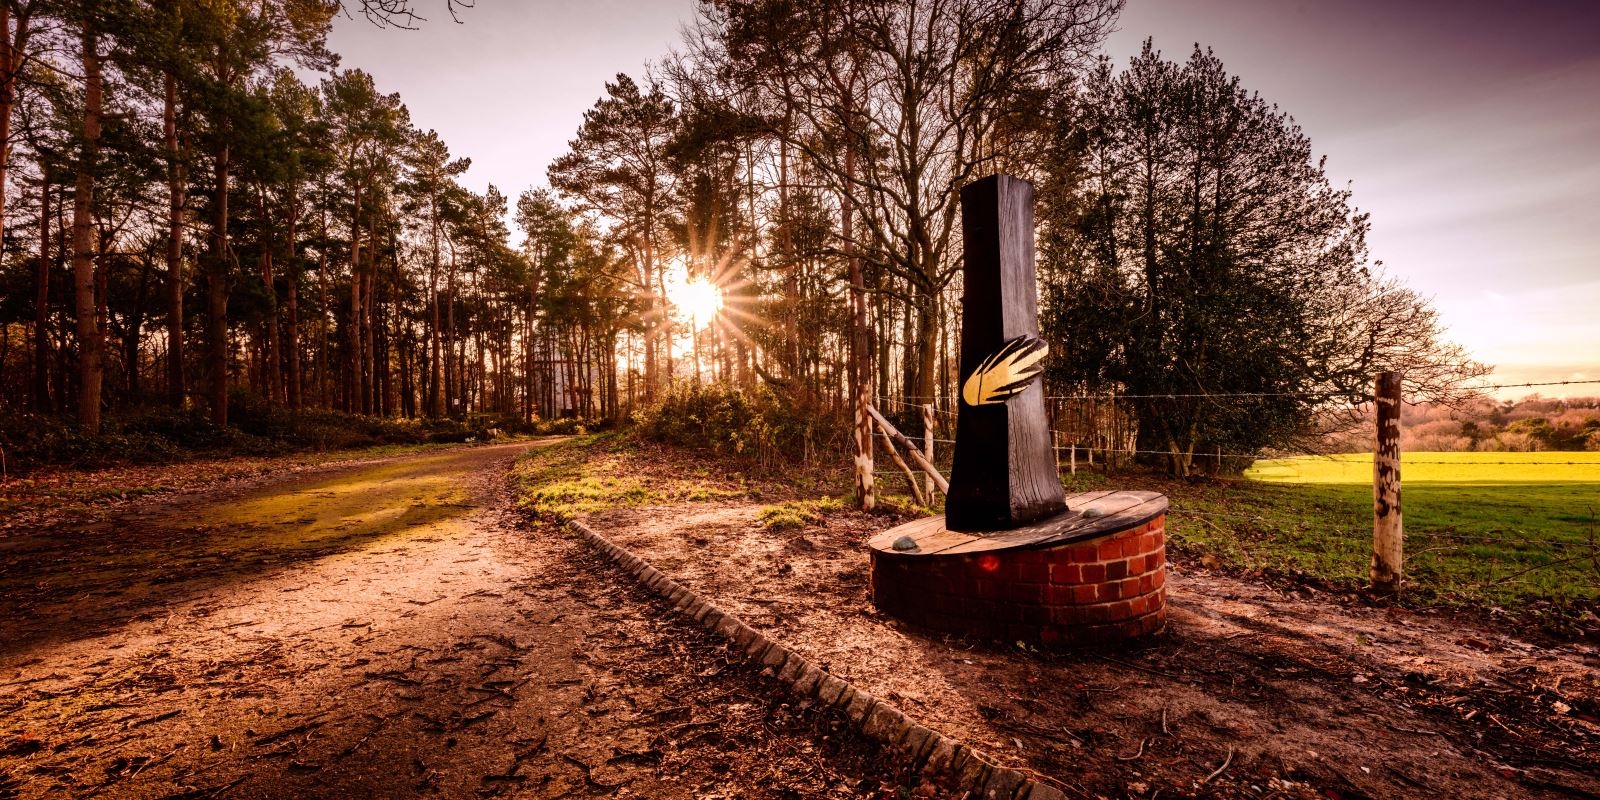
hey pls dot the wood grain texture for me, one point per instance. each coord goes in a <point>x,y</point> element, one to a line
<point>1118,511</point>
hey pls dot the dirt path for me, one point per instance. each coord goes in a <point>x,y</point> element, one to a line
<point>385,630</point>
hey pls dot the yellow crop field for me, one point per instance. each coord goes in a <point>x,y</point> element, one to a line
<point>1483,468</point>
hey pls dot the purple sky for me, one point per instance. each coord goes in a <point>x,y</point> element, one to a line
<point>1470,129</point>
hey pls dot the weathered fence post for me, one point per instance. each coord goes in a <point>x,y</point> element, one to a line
<point>927,448</point>
<point>864,494</point>
<point>1072,457</point>
<point>1388,535</point>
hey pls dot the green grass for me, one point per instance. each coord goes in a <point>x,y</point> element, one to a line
<point>591,473</point>
<point>1479,533</point>
<point>1504,529</point>
<point>799,513</point>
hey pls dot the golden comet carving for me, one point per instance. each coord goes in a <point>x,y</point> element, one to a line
<point>1006,373</point>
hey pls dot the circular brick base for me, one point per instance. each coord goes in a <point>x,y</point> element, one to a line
<point>1105,588</point>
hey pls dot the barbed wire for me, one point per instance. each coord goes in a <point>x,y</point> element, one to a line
<point>1169,395</point>
<point>1209,454</point>
<point>1404,461</point>
<point>1326,457</point>
<point>1256,456</point>
<point>916,406</point>
<point>1362,397</point>
<point>1529,385</point>
<point>914,439</point>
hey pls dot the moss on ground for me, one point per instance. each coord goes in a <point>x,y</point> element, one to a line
<point>587,474</point>
<point>799,513</point>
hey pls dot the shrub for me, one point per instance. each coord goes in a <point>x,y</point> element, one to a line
<point>31,440</point>
<point>757,425</point>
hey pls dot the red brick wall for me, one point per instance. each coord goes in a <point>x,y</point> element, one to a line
<point>1104,589</point>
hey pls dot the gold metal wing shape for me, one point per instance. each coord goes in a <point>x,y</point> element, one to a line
<point>1006,373</point>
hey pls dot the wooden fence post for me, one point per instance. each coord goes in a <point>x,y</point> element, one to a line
<point>1072,457</point>
<point>1388,535</point>
<point>864,492</point>
<point>927,448</point>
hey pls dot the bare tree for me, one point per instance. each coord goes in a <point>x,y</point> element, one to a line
<point>898,105</point>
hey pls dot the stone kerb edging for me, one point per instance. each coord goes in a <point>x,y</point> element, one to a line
<point>929,751</point>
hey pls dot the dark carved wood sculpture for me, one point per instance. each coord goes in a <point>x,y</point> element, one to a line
<point>1014,558</point>
<point>1004,474</point>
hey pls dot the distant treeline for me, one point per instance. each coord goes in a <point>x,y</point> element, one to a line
<point>1530,424</point>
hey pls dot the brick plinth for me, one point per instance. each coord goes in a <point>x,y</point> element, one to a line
<point>1106,588</point>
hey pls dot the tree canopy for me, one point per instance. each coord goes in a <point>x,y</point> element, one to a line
<point>187,221</point>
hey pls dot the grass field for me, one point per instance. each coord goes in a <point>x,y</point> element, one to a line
<point>1502,529</point>
<point>1485,529</point>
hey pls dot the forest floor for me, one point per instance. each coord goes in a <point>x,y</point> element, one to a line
<point>383,628</point>
<point>1254,689</point>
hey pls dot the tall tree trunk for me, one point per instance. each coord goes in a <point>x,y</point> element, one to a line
<point>408,404</point>
<point>452,376</point>
<point>927,309</point>
<point>324,394</point>
<point>217,295</point>
<point>41,309</point>
<point>394,334</point>
<point>177,183</point>
<point>353,380</point>
<point>292,287</point>
<point>61,232</point>
<point>273,377</point>
<point>791,278</point>
<point>371,403</point>
<point>13,52</point>
<point>526,384</point>
<point>860,352</point>
<point>292,301</point>
<point>611,378</point>
<point>130,339</point>
<point>909,361</point>
<point>435,369</point>
<point>652,332</point>
<point>90,336</point>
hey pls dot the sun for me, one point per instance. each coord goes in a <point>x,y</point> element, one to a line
<point>696,298</point>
